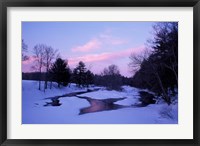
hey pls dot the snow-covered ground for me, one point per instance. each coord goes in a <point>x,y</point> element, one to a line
<point>34,111</point>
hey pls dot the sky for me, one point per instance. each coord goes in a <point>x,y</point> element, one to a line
<point>97,44</point>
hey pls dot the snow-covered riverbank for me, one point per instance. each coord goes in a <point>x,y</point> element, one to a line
<point>34,111</point>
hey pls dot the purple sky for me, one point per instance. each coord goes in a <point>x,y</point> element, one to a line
<point>97,44</point>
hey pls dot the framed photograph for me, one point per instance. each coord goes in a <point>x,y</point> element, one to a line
<point>99,72</point>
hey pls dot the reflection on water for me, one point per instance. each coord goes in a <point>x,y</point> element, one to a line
<point>96,105</point>
<point>101,105</point>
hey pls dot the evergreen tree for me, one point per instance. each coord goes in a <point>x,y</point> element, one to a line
<point>89,78</point>
<point>79,74</point>
<point>159,71</point>
<point>60,72</point>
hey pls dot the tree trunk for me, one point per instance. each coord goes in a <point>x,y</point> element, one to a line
<point>51,85</point>
<point>45,84</point>
<point>172,68</point>
<point>166,97</point>
<point>39,84</point>
<point>40,80</point>
<point>175,76</point>
<point>46,75</point>
<point>44,87</point>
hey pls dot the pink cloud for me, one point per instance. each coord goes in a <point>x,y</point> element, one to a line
<point>27,64</point>
<point>105,38</point>
<point>91,45</point>
<point>100,60</point>
<point>109,39</point>
<point>30,60</point>
<point>105,56</point>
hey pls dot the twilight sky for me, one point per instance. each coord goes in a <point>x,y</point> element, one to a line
<point>97,44</point>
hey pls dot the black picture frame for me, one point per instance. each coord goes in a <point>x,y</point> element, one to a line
<point>4,4</point>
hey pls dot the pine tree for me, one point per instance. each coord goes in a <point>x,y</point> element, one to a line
<point>159,71</point>
<point>60,72</point>
<point>89,78</point>
<point>79,74</point>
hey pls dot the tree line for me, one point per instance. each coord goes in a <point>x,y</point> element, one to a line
<point>61,73</point>
<point>50,67</point>
<point>157,68</point>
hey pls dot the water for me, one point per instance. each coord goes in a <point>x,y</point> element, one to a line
<point>55,102</point>
<point>97,105</point>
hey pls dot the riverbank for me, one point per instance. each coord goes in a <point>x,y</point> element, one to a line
<point>34,111</point>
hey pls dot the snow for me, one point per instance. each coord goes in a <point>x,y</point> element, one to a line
<point>127,93</point>
<point>34,111</point>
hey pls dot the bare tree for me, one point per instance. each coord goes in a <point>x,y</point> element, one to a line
<point>159,70</point>
<point>49,55</point>
<point>111,77</point>
<point>137,59</point>
<point>173,67</point>
<point>151,68</point>
<point>39,54</point>
<point>24,51</point>
<point>160,83</point>
<point>166,42</point>
<point>113,70</point>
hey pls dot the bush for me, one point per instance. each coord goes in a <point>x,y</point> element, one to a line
<point>169,112</point>
<point>147,98</point>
